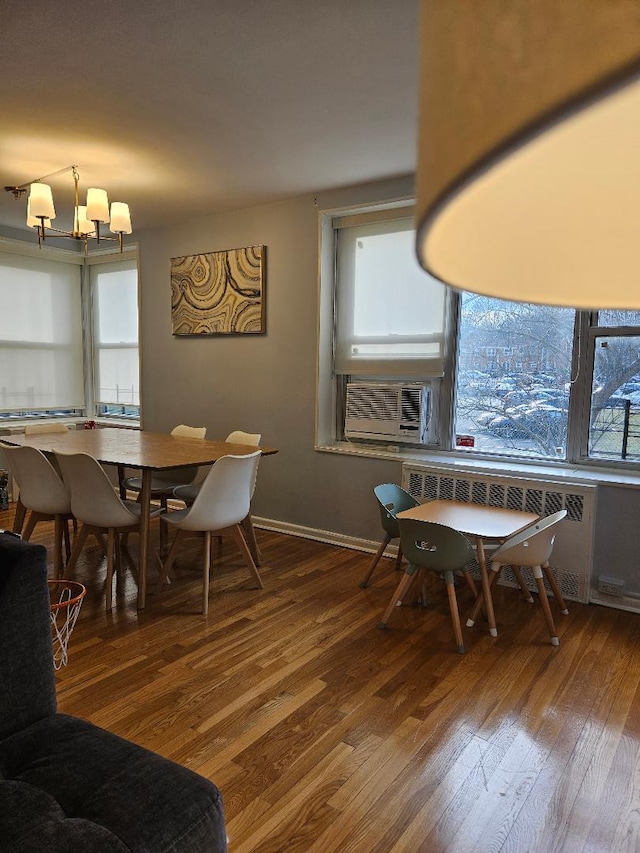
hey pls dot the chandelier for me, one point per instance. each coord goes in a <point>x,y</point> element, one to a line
<point>87,219</point>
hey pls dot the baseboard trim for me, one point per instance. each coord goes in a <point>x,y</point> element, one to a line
<point>326,536</point>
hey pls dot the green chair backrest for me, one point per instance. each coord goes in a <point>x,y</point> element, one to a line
<point>434,546</point>
<point>392,500</point>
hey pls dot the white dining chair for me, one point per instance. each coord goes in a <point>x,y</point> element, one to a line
<point>221,505</point>
<point>35,429</point>
<point>530,548</point>
<point>188,493</point>
<point>43,494</point>
<point>164,482</point>
<point>95,503</point>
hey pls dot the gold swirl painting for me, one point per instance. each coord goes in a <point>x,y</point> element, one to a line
<point>219,293</point>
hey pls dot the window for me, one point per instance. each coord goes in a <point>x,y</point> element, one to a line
<point>48,355</point>
<point>614,414</point>
<point>503,379</point>
<point>390,315</point>
<point>114,288</point>
<point>513,411</point>
<point>41,365</point>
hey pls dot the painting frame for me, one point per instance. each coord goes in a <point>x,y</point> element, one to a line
<point>219,293</point>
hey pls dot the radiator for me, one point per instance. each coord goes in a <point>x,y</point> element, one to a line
<point>571,560</point>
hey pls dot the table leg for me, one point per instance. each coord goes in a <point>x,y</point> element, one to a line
<point>486,587</point>
<point>121,486</point>
<point>145,524</point>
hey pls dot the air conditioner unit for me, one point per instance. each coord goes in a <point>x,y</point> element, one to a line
<point>387,411</point>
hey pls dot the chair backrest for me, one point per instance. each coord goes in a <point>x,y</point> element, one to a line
<point>175,476</point>
<point>41,488</point>
<point>392,500</point>
<point>225,494</point>
<point>33,429</point>
<point>189,431</point>
<point>252,438</point>
<point>240,437</point>
<point>434,546</point>
<point>93,498</point>
<point>531,546</point>
<point>235,437</point>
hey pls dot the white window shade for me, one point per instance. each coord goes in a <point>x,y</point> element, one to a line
<point>390,315</point>
<point>115,300</point>
<point>41,362</point>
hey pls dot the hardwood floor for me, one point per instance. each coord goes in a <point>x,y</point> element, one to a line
<point>326,734</point>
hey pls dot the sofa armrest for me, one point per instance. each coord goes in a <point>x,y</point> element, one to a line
<point>27,682</point>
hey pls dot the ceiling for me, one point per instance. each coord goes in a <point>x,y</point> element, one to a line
<point>184,108</point>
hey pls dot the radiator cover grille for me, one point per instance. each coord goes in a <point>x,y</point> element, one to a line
<point>571,560</point>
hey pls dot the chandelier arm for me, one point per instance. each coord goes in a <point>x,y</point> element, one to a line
<point>27,184</point>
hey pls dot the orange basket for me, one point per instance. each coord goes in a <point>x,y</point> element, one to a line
<point>66,601</point>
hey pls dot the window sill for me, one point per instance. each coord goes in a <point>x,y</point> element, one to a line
<point>17,426</point>
<point>556,472</point>
<point>120,423</point>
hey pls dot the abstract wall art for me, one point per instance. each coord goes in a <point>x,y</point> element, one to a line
<point>219,293</point>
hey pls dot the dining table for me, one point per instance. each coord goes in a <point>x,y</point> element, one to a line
<point>481,523</point>
<point>141,449</point>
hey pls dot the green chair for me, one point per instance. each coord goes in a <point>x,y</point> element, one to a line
<point>436,548</point>
<point>391,500</point>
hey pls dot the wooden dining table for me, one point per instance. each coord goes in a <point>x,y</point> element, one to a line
<point>142,449</point>
<point>480,523</point>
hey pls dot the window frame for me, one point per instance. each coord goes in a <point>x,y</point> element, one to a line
<point>331,386</point>
<point>93,346</point>
<point>591,332</point>
<point>14,417</point>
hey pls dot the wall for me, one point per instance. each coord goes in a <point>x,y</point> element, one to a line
<point>264,383</point>
<point>267,383</point>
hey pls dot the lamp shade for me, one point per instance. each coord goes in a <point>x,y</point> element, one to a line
<point>82,224</point>
<point>32,221</point>
<point>97,205</point>
<point>120,218</point>
<point>528,172</point>
<point>40,202</point>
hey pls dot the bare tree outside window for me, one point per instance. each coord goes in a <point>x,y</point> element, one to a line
<point>519,403</point>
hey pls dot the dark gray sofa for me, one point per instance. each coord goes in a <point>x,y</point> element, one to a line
<point>66,785</point>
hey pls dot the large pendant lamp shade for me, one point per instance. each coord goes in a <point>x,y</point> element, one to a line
<point>528,172</point>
